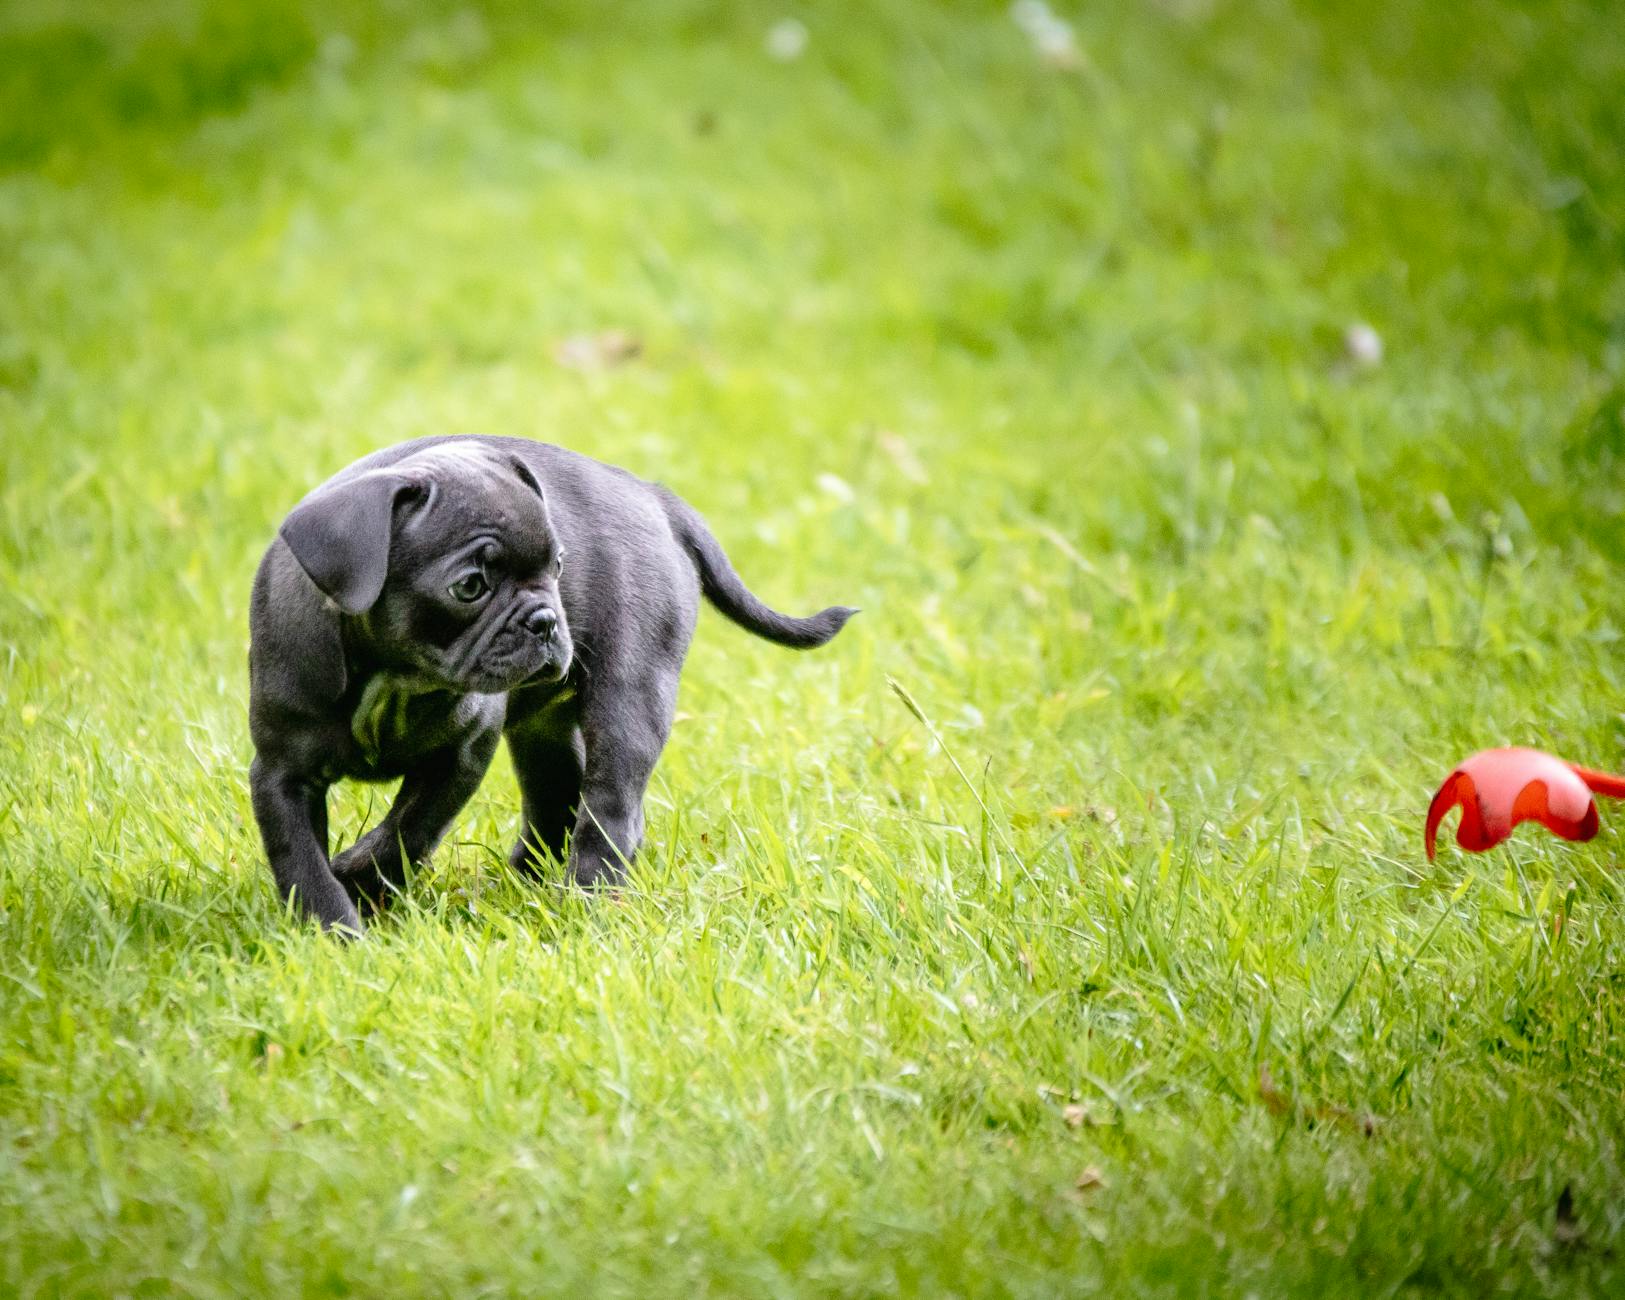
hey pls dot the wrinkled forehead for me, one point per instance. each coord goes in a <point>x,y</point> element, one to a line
<point>473,491</point>
<point>452,463</point>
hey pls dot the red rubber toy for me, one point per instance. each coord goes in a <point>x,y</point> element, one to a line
<point>1498,788</point>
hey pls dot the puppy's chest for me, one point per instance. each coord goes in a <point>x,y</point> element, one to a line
<point>395,721</point>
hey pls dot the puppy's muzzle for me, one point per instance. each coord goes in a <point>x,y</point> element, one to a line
<point>542,623</point>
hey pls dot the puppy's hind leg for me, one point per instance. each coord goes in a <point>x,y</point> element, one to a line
<point>624,724</point>
<point>548,768</point>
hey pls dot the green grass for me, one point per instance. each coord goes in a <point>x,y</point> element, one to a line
<point>1042,368</point>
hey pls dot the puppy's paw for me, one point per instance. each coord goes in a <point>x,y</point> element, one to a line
<point>530,861</point>
<point>345,929</point>
<point>370,870</point>
<point>598,875</point>
<point>352,863</point>
<point>371,855</point>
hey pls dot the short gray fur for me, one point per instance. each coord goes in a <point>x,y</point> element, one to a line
<point>364,662</point>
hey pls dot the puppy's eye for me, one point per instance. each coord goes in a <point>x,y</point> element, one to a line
<point>469,588</point>
<point>558,562</point>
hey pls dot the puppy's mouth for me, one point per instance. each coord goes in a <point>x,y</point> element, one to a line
<point>548,672</point>
<point>509,652</point>
<point>495,679</point>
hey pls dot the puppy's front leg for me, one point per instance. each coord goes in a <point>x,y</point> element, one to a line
<point>292,813</point>
<point>430,797</point>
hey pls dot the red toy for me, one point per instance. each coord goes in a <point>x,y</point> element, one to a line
<point>1498,788</point>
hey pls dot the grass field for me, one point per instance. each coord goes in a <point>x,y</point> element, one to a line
<point>1112,961</point>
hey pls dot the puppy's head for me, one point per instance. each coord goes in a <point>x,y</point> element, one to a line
<point>449,560</point>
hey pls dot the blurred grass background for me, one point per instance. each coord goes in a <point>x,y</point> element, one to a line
<point>1043,360</point>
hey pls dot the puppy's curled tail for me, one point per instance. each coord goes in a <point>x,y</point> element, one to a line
<point>727,590</point>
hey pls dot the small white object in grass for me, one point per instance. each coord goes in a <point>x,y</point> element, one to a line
<point>837,487</point>
<point>1363,346</point>
<point>1051,35</point>
<point>787,40</point>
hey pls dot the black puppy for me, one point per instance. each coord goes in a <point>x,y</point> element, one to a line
<point>437,595</point>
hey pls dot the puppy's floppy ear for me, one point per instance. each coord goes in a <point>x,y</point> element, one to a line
<point>340,535</point>
<point>297,651</point>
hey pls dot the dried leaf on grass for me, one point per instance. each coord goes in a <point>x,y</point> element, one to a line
<point>1284,1105</point>
<point>602,351</point>
<point>903,457</point>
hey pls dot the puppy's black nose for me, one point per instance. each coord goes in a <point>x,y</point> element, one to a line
<point>542,623</point>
